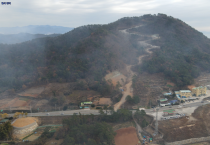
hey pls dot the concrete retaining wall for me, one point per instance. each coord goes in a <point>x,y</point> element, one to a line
<point>187,141</point>
<point>25,129</point>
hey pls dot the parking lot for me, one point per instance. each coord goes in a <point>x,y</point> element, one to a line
<point>173,117</point>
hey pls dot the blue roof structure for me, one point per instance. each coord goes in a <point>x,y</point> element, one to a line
<point>173,101</point>
<point>167,94</point>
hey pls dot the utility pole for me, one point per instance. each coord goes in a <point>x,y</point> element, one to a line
<point>156,122</point>
<point>31,110</point>
<point>150,103</point>
<point>55,107</point>
<point>10,108</point>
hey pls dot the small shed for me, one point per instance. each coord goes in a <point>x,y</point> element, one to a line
<point>167,94</point>
<point>4,121</point>
<point>163,100</point>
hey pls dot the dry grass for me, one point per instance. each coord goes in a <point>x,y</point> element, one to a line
<point>190,87</point>
<point>21,122</point>
<point>201,143</point>
<point>182,128</point>
<point>54,141</point>
<point>81,95</point>
<point>115,77</point>
<point>126,136</point>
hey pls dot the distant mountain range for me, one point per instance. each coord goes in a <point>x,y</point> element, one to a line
<point>35,29</point>
<point>21,37</point>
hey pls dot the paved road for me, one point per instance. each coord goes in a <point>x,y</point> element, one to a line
<point>194,104</point>
<point>96,112</point>
<point>68,112</point>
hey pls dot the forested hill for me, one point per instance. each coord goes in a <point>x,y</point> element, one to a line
<point>88,52</point>
<point>184,51</point>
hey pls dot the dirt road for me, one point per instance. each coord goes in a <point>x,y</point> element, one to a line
<point>125,94</point>
<point>128,85</point>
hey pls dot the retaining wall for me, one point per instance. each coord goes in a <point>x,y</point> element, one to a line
<point>25,129</point>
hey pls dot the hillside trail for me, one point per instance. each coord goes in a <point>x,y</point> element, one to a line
<point>128,85</point>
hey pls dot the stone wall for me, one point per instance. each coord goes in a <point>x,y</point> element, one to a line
<point>187,141</point>
<point>25,129</point>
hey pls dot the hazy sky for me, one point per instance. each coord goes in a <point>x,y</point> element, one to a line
<point>74,13</point>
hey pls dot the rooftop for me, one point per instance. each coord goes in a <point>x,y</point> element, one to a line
<point>169,111</point>
<point>4,120</point>
<point>199,87</point>
<point>166,94</point>
<point>163,100</point>
<point>185,91</point>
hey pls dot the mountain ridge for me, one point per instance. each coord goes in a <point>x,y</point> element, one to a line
<point>21,37</point>
<point>35,29</point>
<point>88,52</point>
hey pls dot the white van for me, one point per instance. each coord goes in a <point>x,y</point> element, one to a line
<point>162,105</point>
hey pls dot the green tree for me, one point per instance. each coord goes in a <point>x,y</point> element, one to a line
<point>144,123</point>
<point>173,95</point>
<point>136,99</point>
<point>111,110</point>
<point>26,114</point>
<point>106,107</point>
<point>101,112</point>
<point>91,142</point>
<point>129,99</point>
<point>65,107</point>
<point>69,140</point>
<point>92,105</point>
<point>6,130</point>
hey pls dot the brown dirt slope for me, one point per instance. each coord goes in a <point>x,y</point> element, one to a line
<point>149,86</point>
<point>126,136</point>
<point>185,128</point>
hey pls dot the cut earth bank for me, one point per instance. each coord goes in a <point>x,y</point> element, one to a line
<point>192,126</point>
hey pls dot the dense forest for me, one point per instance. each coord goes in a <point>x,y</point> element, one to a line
<point>89,52</point>
<point>6,131</point>
<point>183,54</point>
<point>84,53</point>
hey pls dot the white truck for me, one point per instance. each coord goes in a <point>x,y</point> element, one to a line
<point>162,105</point>
<point>142,109</point>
